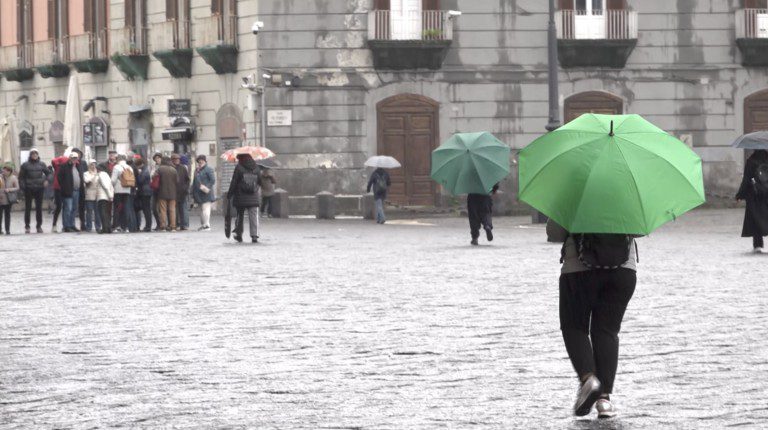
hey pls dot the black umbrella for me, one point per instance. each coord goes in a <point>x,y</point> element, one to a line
<point>227,217</point>
<point>756,140</point>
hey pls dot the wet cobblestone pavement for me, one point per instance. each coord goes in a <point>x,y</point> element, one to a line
<point>346,324</point>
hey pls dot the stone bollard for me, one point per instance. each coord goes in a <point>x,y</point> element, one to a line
<point>368,206</point>
<point>325,205</point>
<point>280,206</point>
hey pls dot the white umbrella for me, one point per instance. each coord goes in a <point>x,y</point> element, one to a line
<point>8,147</point>
<point>73,123</point>
<point>382,161</point>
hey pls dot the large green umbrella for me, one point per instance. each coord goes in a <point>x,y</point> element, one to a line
<point>610,174</point>
<point>470,163</point>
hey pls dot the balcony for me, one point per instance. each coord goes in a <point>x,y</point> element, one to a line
<point>51,59</point>
<point>16,62</point>
<point>600,38</point>
<point>411,40</point>
<point>217,39</point>
<point>88,52</point>
<point>170,44</point>
<point>752,36</point>
<point>129,52</point>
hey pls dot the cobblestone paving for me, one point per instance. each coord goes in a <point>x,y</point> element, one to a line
<point>346,324</point>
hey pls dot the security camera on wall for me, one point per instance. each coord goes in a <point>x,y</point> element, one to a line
<point>258,25</point>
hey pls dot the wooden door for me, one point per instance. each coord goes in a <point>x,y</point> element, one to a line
<point>756,112</point>
<point>592,102</point>
<point>407,130</point>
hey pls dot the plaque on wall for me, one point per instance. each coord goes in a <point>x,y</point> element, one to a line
<point>56,133</point>
<point>179,107</point>
<point>27,135</point>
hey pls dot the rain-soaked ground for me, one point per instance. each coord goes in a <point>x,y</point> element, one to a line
<point>347,324</point>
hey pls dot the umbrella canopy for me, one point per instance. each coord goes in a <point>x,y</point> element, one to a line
<point>73,124</point>
<point>470,163</point>
<point>610,174</point>
<point>257,152</point>
<point>383,161</point>
<point>756,140</point>
<point>7,145</point>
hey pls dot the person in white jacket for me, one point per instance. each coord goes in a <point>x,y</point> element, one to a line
<point>91,180</point>
<point>122,194</point>
<point>104,197</point>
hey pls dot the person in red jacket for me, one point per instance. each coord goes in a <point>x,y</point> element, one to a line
<point>56,163</point>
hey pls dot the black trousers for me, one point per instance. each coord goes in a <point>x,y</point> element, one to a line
<point>266,205</point>
<point>592,306</point>
<point>757,241</point>
<point>37,196</point>
<point>479,208</point>
<point>120,211</point>
<point>58,202</point>
<point>5,214</point>
<point>143,205</point>
<point>81,209</point>
<point>105,214</point>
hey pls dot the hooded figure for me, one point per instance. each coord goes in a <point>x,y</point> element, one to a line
<point>756,216</point>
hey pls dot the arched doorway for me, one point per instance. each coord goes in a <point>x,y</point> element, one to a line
<point>756,112</point>
<point>592,102</point>
<point>407,130</point>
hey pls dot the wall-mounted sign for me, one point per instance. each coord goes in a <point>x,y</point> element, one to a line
<point>179,107</point>
<point>278,118</point>
<point>26,135</point>
<point>56,133</point>
<point>96,132</point>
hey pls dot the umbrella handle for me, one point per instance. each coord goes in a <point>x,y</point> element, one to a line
<point>611,133</point>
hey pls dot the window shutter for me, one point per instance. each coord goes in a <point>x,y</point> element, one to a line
<point>756,4</point>
<point>566,4</point>
<point>130,13</point>
<point>19,22</point>
<point>88,16</point>
<point>381,5</point>
<point>171,10</point>
<point>616,4</point>
<point>51,7</point>
<point>430,4</point>
<point>217,7</point>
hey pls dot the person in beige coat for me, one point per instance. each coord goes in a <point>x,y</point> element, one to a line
<point>104,197</point>
<point>9,184</point>
<point>91,179</point>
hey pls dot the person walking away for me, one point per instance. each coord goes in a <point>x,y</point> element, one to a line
<point>33,178</point>
<point>244,192</point>
<point>479,211</point>
<point>123,180</point>
<point>143,195</point>
<point>166,195</point>
<point>754,191</point>
<point>70,183</point>
<point>379,181</point>
<point>58,201</point>
<point>104,197</point>
<point>597,280</point>
<point>182,190</point>
<point>91,180</point>
<point>267,191</point>
<point>9,188</point>
<point>202,191</point>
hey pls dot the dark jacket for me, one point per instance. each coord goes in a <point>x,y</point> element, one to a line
<point>756,216</point>
<point>182,187</point>
<point>66,179</point>
<point>378,193</point>
<point>168,181</point>
<point>143,181</point>
<point>32,175</point>
<point>207,177</point>
<point>241,199</point>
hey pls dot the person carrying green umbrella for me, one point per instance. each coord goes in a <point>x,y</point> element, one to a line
<point>606,179</point>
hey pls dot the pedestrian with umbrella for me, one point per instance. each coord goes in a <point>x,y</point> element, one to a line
<point>473,164</point>
<point>606,179</point>
<point>754,188</point>
<point>379,182</point>
<point>244,194</point>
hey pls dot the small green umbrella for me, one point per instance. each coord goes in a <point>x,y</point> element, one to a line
<point>470,163</point>
<point>610,174</point>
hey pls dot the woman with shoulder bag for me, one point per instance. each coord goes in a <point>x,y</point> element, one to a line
<point>9,188</point>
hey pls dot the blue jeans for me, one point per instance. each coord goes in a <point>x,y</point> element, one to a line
<point>380,218</point>
<point>130,213</point>
<point>182,213</point>
<point>70,209</point>
<point>92,215</point>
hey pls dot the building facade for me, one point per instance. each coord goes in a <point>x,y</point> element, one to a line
<point>346,79</point>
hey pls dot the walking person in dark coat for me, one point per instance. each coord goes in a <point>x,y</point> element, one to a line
<point>244,192</point>
<point>70,186</point>
<point>379,181</point>
<point>756,216</point>
<point>143,202</point>
<point>479,211</point>
<point>33,178</point>
<point>182,192</point>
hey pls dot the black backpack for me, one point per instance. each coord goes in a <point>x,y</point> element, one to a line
<point>250,183</point>
<point>760,179</point>
<point>380,183</point>
<point>602,251</point>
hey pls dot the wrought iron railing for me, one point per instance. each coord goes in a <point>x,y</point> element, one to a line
<point>129,41</point>
<point>216,30</point>
<point>596,24</point>
<point>752,23</point>
<point>409,25</point>
<point>88,46</point>
<point>16,56</point>
<point>170,35</point>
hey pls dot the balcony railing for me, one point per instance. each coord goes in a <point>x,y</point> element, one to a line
<point>129,41</point>
<point>170,35</point>
<point>597,24</point>
<point>216,30</point>
<point>16,57</point>
<point>51,51</point>
<point>752,24</point>
<point>411,25</point>
<point>88,46</point>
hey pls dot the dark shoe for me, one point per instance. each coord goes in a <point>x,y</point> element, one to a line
<point>26,230</point>
<point>183,228</point>
<point>7,233</point>
<point>39,229</point>
<point>74,230</point>
<point>474,242</point>
<point>489,235</point>
<point>588,394</point>
<point>147,230</point>
<point>238,238</point>
<point>255,239</point>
